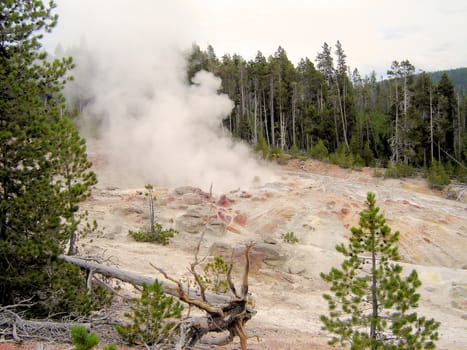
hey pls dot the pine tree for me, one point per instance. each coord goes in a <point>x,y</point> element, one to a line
<point>371,304</point>
<point>44,171</point>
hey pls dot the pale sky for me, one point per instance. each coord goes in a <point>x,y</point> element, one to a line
<point>431,34</point>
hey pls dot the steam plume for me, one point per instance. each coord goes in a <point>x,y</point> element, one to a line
<point>154,125</point>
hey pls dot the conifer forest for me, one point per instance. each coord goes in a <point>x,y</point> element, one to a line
<point>412,119</point>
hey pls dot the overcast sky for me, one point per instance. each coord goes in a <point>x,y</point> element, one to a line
<point>432,34</point>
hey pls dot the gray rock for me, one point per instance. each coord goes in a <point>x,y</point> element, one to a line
<point>191,199</point>
<point>216,228</point>
<point>180,191</point>
<point>189,224</point>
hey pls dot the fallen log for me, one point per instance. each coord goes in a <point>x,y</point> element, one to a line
<point>139,280</point>
<point>223,313</point>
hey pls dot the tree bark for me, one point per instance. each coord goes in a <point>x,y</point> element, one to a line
<point>273,141</point>
<point>223,312</point>
<point>138,280</point>
<point>41,329</point>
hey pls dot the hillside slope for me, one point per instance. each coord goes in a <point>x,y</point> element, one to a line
<point>319,203</point>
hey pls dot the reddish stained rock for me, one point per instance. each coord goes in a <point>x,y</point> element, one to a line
<point>232,229</point>
<point>224,201</point>
<point>426,240</point>
<point>345,211</point>
<point>406,202</point>
<point>169,199</point>
<point>224,217</point>
<point>240,219</point>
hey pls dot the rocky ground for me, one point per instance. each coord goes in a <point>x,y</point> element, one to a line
<point>319,203</point>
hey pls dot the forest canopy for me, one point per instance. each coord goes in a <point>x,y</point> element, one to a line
<point>409,118</point>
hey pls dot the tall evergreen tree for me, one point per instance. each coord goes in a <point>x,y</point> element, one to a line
<point>445,118</point>
<point>44,172</point>
<point>371,304</point>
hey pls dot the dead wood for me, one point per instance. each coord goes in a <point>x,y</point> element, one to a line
<point>138,280</point>
<point>230,317</point>
<point>224,313</point>
<point>12,324</point>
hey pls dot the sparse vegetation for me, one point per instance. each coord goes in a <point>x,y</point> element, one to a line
<point>154,233</point>
<point>289,238</point>
<point>437,176</point>
<point>398,170</point>
<point>319,151</point>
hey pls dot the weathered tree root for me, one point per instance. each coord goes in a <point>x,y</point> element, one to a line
<point>14,326</point>
<point>223,313</point>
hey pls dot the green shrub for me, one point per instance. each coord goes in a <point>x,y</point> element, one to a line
<point>368,156</point>
<point>277,154</point>
<point>319,151</point>
<point>289,237</point>
<point>82,339</point>
<point>345,159</point>
<point>262,147</point>
<point>399,170</point>
<point>111,346</point>
<point>156,235</point>
<point>437,176</point>
<point>215,276</point>
<point>294,151</point>
<point>378,172</point>
<point>153,315</point>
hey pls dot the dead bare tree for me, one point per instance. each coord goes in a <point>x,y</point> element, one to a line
<point>224,313</point>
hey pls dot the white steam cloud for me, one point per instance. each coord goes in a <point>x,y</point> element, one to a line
<point>155,127</point>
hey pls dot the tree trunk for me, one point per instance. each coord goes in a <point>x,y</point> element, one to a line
<point>396,132</point>
<point>255,123</point>
<point>266,120</point>
<point>341,110</point>
<point>273,141</point>
<point>458,149</point>
<point>223,313</point>
<point>294,141</point>
<point>431,126</point>
<point>374,301</point>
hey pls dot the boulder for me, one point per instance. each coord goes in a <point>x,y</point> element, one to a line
<point>180,191</point>
<point>193,221</point>
<point>216,228</point>
<point>270,254</point>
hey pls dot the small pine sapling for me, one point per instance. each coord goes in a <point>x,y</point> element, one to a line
<point>371,304</point>
<point>153,316</point>
<point>289,237</point>
<point>82,339</point>
<point>215,276</point>
<point>155,232</point>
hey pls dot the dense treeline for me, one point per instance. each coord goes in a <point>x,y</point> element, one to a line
<point>44,172</point>
<point>458,77</point>
<point>406,119</point>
